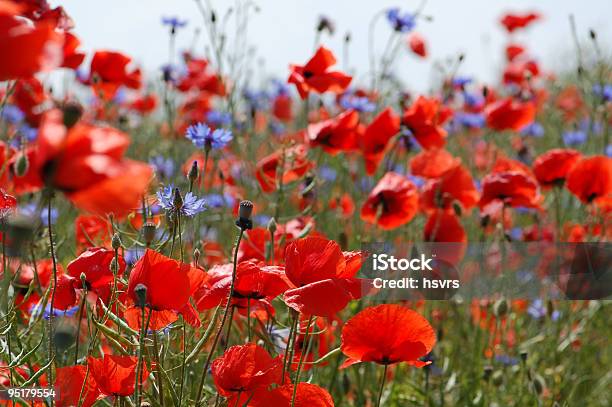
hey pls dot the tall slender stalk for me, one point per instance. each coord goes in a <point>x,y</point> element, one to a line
<point>223,320</point>
<point>382,385</point>
<point>52,303</point>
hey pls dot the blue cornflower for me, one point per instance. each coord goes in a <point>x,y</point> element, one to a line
<point>603,91</point>
<point>164,167</point>
<point>473,99</point>
<point>28,133</point>
<point>220,201</point>
<point>400,22</point>
<point>534,129</point>
<point>257,100</point>
<point>203,137</point>
<point>574,138</point>
<point>418,181</point>
<point>327,173</point>
<point>191,205</point>
<point>36,309</point>
<point>609,150</point>
<point>280,87</point>
<point>461,81</point>
<point>506,360</point>
<point>358,103</point>
<point>470,120</point>
<point>174,23</point>
<point>537,310</point>
<point>218,119</point>
<point>277,128</point>
<point>12,114</point>
<point>31,210</point>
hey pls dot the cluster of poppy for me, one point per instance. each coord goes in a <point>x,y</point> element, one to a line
<point>398,161</point>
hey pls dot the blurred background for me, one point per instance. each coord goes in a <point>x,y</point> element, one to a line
<point>283,32</point>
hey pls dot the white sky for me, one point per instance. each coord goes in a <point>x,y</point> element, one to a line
<point>283,30</point>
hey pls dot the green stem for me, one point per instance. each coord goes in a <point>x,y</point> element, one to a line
<point>52,303</point>
<point>305,349</point>
<point>382,385</point>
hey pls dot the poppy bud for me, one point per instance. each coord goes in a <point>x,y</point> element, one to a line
<point>484,221</point>
<point>524,355</point>
<point>177,201</point>
<point>141,295</point>
<point>148,232</point>
<point>550,308</point>
<point>72,113</point>
<point>272,225</point>
<point>83,278</point>
<point>213,17</point>
<point>592,34</point>
<point>325,24</point>
<point>538,384</point>
<point>487,371</point>
<point>497,378</point>
<point>244,215</point>
<point>347,37</point>
<point>193,172</point>
<point>22,165</point>
<point>343,241</point>
<point>116,241</point>
<point>500,308</point>
<point>196,255</point>
<point>485,92</point>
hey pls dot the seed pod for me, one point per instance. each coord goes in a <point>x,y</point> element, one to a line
<point>148,232</point>
<point>116,241</point>
<point>497,378</point>
<point>21,165</point>
<point>141,295</point>
<point>501,307</point>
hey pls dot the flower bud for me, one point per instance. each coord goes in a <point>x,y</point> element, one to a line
<point>272,226</point>
<point>487,371</point>
<point>148,232</point>
<point>501,307</point>
<point>21,165</point>
<point>116,241</point>
<point>196,255</point>
<point>538,384</point>
<point>72,113</point>
<point>141,295</point>
<point>83,281</point>
<point>193,172</point>
<point>497,378</point>
<point>244,215</point>
<point>177,200</point>
<point>524,355</point>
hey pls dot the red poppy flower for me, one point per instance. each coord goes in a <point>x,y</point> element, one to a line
<point>306,395</point>
<point>590,179</point>
<point>432,163</point>
<point>144,104</point>
<point>511,188</point>
<point>295,166</point>
<point>513,51</point>
<point>245,369</point>
<point>65,294</point>
<point>344,203</point>
<point>319,270</point>
<point>96,177</point>
<point>281,108</point>
<point>376,138</point>
<point>443,226</point>
<point>72,58</point>
<point>570,102</point>
<point>335,135</point>
<point>513,22</point>
<point>169,285</point>
<point>317,75</point>
<point>505,164</point>
<point>393,202</point>
<point>387,334</point>
<point>30,97</point>
<point>553,166</point>
<point>454,186</point>
<point>95,265</point>
<point>425,119</point>
<point>253,282</point>
<point>108,72</point>
<point>69,381</point>
<point>28,47</point>
<point>91,230</point>
<point>510,114</point>
<point>416,42</point>
<point>518,71</point>
<point>200,76</point>
<point>8,203</point>
<point>115,375</point>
